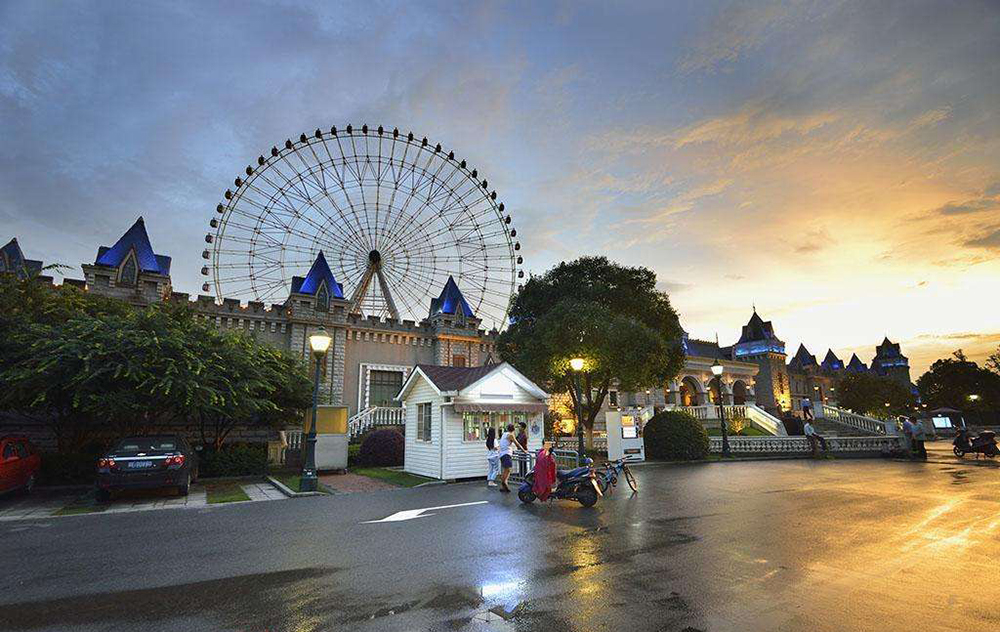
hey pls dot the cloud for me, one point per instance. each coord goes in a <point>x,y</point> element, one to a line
<point>989,241</point>
<point>673,287</point>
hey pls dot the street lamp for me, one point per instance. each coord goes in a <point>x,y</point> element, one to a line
<point>717,372</point>
<point>319,342</point>
<point>577,365</point>
<point>974,398</point>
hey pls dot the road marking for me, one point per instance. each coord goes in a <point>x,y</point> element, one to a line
<point>410,514</point>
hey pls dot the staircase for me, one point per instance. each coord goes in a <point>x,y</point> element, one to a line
<point>838,422</point>
<point>364,420</point>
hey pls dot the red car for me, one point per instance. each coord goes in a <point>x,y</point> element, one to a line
<point>19,464</point>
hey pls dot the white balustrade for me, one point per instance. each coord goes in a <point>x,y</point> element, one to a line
<point>861,422</point>
<point>375,416</point>
<point>799,445</point>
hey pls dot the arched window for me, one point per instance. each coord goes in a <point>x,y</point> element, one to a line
<point>322,298</point>
<point>129,271</point>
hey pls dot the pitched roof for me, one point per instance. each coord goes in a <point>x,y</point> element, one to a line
<point>454,378</point>
<point>319,272</point>
<point>832,362</point>
<point>856,365</point>
<point>450,301</point>
<point>702,348</point>
<point>135,238</point>
<point>802,358</point>
<point>12,259</point>
<point>757,329</point>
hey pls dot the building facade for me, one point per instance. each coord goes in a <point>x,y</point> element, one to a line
<point>369,358</point>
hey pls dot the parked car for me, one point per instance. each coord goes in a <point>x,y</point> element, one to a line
<point>19,464</point>
<point>147,463</point>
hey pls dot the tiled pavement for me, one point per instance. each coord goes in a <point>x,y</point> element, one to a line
<point>41,504</point>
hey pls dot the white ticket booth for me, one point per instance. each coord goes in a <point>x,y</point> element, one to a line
<point>625,436</point>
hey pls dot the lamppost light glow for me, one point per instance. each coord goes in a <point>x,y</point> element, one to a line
<point>974,397</point>
<point>716,368</point>
<point>320,341</point>
<point>576,364</point>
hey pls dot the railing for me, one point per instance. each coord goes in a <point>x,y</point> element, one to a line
<point>600,443</point>
<point>800,445</point>
<point>758,417</point>
<point>867,424</point>
<point>524,462</point>
<point>294,439</point>
<point>375,416</point>
<point>765,421</point>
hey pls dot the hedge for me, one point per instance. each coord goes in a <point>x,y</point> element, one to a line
<point>381,448</point>
<point>238,459</point>
<point>675,436</point>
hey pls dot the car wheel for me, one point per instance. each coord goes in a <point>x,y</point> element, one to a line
<point>103,495</point>
<point>185,488</point>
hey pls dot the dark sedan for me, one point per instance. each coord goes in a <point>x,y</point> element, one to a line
<point>147,463</point>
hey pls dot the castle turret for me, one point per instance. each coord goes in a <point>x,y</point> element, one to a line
<point>889,361</point>
<point>759,344</point>
<point>130,269</point>
<point>12,260</point>
<point>458,343</point>
<point>831,362</point>
<point>856,365</point>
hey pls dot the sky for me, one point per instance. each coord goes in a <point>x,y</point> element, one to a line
<point>835,164</point>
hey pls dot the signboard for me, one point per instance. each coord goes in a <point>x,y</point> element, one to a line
<point>941,423</point>
<point>624,436</point>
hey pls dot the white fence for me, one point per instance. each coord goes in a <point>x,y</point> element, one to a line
<point>524,462</point>
<point>800,445</point>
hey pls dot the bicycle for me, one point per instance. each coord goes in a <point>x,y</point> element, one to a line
<point>608,477</point>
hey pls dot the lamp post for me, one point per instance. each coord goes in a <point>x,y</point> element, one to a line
<point>717,372</point>
<point>577,365</point>
<point>319,342</point>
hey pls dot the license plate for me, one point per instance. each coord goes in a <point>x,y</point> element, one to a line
<point>138,465</point>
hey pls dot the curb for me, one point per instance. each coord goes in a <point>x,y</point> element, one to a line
<point>430,483</point>
<point>288,492</point>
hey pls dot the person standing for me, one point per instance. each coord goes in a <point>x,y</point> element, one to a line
<point>492,457</point>
<point>814,437</point>
<point>508,442</point>
<point>807,409</point>
<point>919,450</point>
<point>522,438</point>
<point>908,437</point>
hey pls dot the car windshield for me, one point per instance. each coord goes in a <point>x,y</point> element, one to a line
<point>146,445</point>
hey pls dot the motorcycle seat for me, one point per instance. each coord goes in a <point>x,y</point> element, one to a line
<point>564,474</point>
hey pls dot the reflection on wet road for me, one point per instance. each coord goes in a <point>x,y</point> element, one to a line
<point>783,545</point>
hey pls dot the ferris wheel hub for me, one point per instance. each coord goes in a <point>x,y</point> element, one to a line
<point>374,257</point>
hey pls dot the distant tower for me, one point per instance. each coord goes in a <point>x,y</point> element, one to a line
<point>889,361</point>
<point>760,345</point>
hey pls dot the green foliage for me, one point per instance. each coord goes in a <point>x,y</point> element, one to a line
<point>611,315</point>
<point>69,468</point>
<point>353,452</point>
<point>92,365</point>
<point>867,394</point>
<point>241,459</point>
<point>382,448</point>
<point>675,436</point>
<point>950,382</point>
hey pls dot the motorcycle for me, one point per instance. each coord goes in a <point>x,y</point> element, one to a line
<point>985,443</point>
<point>579,484</point>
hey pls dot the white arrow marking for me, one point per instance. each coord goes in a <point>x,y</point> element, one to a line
<point>410,514</point>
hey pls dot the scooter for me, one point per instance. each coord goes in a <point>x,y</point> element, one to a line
<point>579,484</point>
<point>985,443</point>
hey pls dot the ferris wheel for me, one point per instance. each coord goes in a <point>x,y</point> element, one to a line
<point>394,216</point>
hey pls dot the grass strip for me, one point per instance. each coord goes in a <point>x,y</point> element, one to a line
<point>393,477</point>
<point>225,493</point>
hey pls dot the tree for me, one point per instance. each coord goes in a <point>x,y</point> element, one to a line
<point>94,366</point>
<point>950,382</point>
<point>868,394</point>
<point>993,361</point>
<point>611,315</point>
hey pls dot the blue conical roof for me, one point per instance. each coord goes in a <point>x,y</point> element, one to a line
<point>319,272</point>
<point>450,301</point>
<point>135,238</point>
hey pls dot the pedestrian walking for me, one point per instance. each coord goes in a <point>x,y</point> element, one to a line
<point>814,437</point>
<point>807,409</point>
<point>919,450</point>
<point>508,442</point>
<point>908,437</point>
<point>492,458</point>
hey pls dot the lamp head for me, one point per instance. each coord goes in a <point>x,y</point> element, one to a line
<point>576,364</point>
<point>973,397</point>
<point>716,368</point>
<point>320,341</point>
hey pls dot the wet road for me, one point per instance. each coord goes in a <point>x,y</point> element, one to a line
<point>779,545</point>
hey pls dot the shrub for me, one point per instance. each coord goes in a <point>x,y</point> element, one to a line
<point>675,436</point>
<point>353,451</point>
<point>240,459</point>
<point>68,468</point>
<point>382,448</point>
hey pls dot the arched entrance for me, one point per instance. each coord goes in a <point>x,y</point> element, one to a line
<point>688,392</point>
<point>739,392</point>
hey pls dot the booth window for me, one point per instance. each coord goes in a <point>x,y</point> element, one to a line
<point>476,425</point>
<point>424,422</point>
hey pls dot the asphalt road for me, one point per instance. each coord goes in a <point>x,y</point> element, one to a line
<point>779,545</point>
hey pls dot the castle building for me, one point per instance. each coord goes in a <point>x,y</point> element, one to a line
<point>12,260</point>
<point>369,358</point>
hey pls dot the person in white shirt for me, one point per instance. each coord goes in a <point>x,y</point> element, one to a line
<point>807,409</point>
<point>908,436</point>
<point>508,443</point>
<point>814,437</point>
